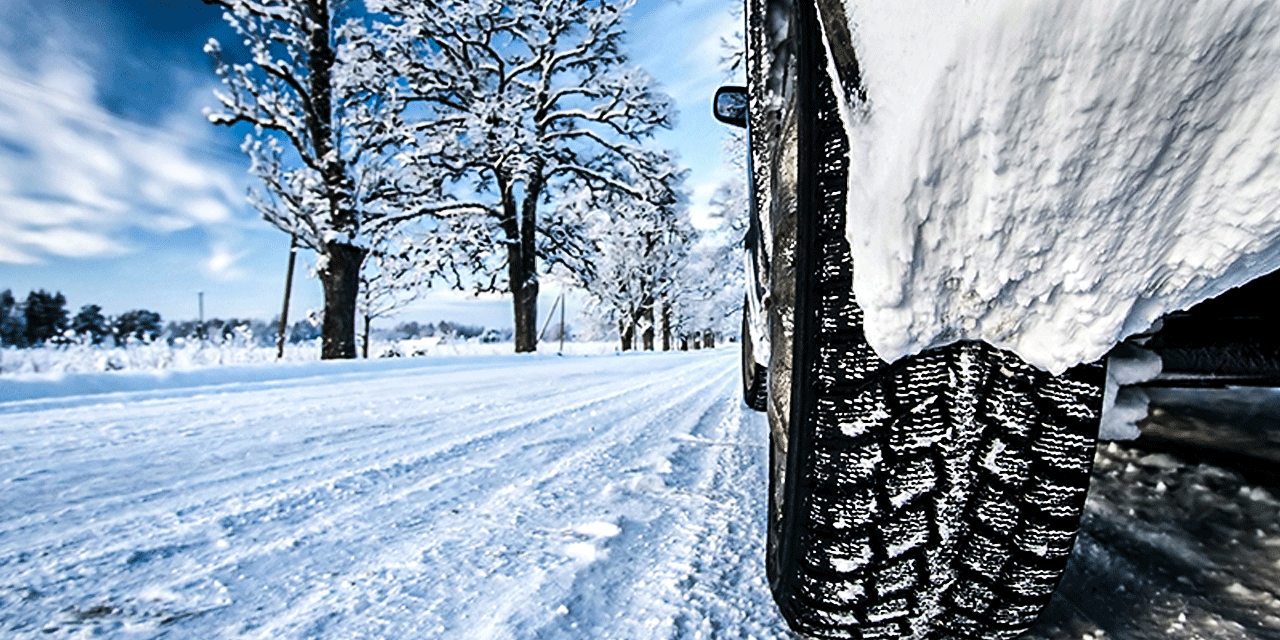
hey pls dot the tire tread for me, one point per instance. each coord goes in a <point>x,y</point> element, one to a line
<point>944,490</point>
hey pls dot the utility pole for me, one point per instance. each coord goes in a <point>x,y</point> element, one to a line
<point>288,288</point>
<point>200,295</point>
<point>551,314</point>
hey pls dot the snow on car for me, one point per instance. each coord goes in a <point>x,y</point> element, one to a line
<point>1053,176</point>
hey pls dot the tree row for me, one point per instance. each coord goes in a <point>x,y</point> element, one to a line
<point>470,143</point>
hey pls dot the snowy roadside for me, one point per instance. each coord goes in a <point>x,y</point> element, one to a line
<point>78,374</point>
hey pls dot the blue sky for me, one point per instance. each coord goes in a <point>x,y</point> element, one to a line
<point>115,191</point>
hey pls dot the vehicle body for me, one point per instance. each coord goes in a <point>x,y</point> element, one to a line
<point>937,494</point>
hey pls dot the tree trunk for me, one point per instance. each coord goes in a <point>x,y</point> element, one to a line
<point>365,347</point>
<point>666,327</point>
<point>626,332</point>
<point>524,300</point>
<point>684,343</point>
<point>709,339</point>
<point>646,336</point>
<point>319,119</point>
<point>522,260</point>
<point>340,278</point>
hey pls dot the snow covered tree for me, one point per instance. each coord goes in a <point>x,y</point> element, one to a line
<point>322,143</point>
<point>731,204</point>
<point>12,323</point>
<point>46,316</point>
<point>713,280</point>
<point>514,104</point>
<point>139,324</point>
<point>89,322</point>
<point>709,299</point>
<point>634,267</point>
<point>392,276</point>
<point>706,300</point>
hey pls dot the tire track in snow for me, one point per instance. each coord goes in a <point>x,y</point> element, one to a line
<point>392,524</point>
<point>497,480</point>
<point>1169,549</point>
<point>298,463</point>
<point>604,442</point>
<point>694,569</point>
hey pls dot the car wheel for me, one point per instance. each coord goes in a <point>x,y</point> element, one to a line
<point>755,378</point>
<point>936,496</point>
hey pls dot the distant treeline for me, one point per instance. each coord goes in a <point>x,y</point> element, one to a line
<point>43,319</point>
<point>411,330</point>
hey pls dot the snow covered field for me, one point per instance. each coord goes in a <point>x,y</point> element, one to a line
<point>504,497</point>
<point>51,361</point>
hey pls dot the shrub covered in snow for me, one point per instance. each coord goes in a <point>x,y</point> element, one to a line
<point>183,353</point>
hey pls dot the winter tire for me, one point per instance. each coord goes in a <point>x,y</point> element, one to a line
<point>933,497</point>
<point>755,378</point>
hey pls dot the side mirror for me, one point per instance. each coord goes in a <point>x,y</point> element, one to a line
<point>730,105</point>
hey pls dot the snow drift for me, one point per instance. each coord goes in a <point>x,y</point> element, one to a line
<point>1052,176</point>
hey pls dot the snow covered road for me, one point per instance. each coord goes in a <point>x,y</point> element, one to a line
<point>607,497</point>
<point>1172,547</point>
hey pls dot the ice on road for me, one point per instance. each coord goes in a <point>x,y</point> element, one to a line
<point>501,497</point>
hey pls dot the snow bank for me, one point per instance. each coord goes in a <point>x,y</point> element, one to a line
<point>78,372</point>
<point>64,384</point>
<point>140,355</point>
<point>1051,176</point>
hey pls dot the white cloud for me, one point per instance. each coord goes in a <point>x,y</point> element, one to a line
<point>34,229</point>
<point>80,181</point>
<point>691,71</point>
<point>222,263</point>
<point>69,242</point>
<point>209,210</point>
<point>13,255</point>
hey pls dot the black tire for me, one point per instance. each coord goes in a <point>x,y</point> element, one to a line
<point>934,497</point>
<point>755,378</point>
